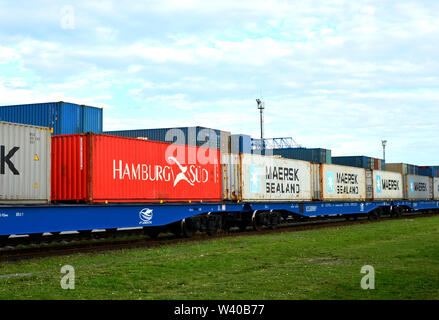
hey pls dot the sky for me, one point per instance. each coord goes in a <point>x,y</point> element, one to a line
<point>335,74</point>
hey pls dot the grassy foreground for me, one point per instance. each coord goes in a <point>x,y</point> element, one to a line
<point>316,264</point>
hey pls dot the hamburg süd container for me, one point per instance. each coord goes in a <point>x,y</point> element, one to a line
<point>98,168</point>
<point>61,117</point>
<point>436,188</point>
<point>342,183</point>
<point>418,187</point>
<point>24,164</point>
<point>385,185</point>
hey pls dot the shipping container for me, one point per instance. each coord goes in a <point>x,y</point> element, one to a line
<point>436,188</point>
<point>274,179</point>
<point>342,183</point>
<point>24,164</point>
<point>241,143</point>
<point>360,162</point>
<point>192,136</point>
<point>248,177</point>
<point>418,187</point>
<point>428,171</point>
<point>316,155</point>
<point>98,168</point>
<point>61,117</point>
<point>402,168</point>
<point>384,185</point>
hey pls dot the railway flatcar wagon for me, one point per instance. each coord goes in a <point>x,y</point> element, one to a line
<point>101,168</point>
<point>418,187</point>
<point>436,188</point>
<point>24,164</point>
<point>248,177</point>
<point>384,185</point>
<point>340,183</point>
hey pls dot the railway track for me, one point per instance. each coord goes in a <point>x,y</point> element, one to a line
<point>25,248</point>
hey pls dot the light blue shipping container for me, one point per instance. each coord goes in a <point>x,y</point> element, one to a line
<point>62,117</point>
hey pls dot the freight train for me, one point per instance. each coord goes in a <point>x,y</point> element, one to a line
<point>80,182</point>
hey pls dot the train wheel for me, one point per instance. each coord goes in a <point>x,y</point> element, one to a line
<point>397,212</point>
<point>187,228</point>
<point>152,232</point>
<point>175,228</point>
<point>243,225</point>
<point>256,221</point>
<point>274,221</point>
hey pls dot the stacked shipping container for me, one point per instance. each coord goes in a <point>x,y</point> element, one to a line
<point>192,136</point>
<point>402,168</point>
<point>317,155</point>
<point>61,117</point>
<point>360,162</point>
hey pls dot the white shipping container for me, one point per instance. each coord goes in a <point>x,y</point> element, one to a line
<point>418,187</point>
<point>387,185</point>
<point>436,189</point>
<point>275,179</point>
<point>24,164</point>
<point>342,182</point>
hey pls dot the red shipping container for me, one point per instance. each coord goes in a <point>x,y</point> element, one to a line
<point>99,168</point>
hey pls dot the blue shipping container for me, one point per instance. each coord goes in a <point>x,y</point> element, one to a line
<point>241,143</point>
<point>193,136</point>
<point>316,155</point>
<point>62,117</point>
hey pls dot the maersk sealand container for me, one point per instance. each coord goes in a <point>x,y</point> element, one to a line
<point>61,117</point>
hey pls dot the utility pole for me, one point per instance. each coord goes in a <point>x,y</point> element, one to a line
<point>261,107</point>
<point>384,142</point>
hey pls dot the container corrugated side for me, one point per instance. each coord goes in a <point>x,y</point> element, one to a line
<point>24,164</point>
<point>274,179</point>
<point>61,117</point>
<point>418,187</point>
<point>436,188</point>
<point>117,169</point>
<point>387,185</point>
<point>193,136</point>
<point>342,183</point>
<point>231,175</point>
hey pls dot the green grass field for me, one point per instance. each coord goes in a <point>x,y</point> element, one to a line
<point>316,264</point>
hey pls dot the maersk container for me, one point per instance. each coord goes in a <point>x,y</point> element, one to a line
<point>436,188</point>
<point>418,187</point>
<point>192,136</point>
<point>61,117</point>
<point>248,177</point>
<point>24,164</point>
<point>274,179</point>
<point>342,183</point>
<point>99,168</point>
<point>384,185</point>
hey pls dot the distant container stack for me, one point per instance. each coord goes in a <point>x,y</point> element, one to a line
<point>241,143</point>
<point>316,155</point>
<point>60,117</point>
<point>191,136</point>
<point>360,162</point>
<point>429,171</point>
<point>403,168</point>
